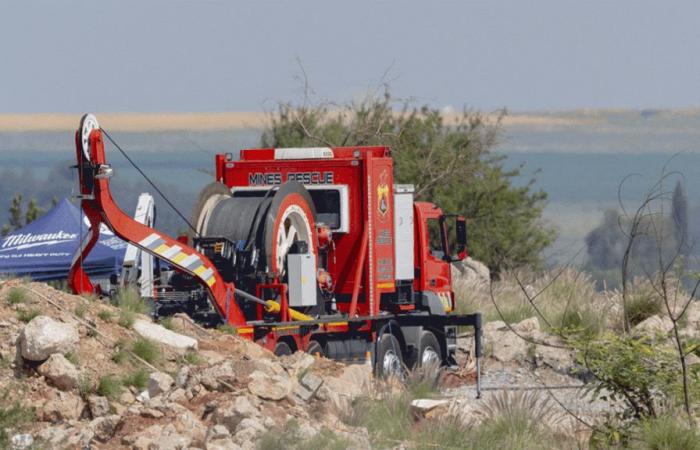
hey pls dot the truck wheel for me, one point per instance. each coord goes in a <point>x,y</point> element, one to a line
<point>314,348</point>
<point>429,349</point>
<point>389,358</point>
<point>282,349</point>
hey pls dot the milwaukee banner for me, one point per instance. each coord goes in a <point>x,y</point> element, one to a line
<point>43,249</point>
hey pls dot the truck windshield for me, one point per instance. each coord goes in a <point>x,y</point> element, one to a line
<point>434,238</point>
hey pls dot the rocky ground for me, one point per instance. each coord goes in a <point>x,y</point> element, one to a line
<point>79,371</point>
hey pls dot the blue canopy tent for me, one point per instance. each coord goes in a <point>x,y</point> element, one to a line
<point>43,250</point>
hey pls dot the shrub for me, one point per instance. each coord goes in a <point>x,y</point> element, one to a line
<point>129,300</point>
<point>73,358</point>
<point>146,350</point>
<point>126,319</point>
<point>227,329</point>
<point>12,418</point>
<point>138,379</point>
<point>26,315</point>
<point>85,387</point>
<point>167,322</point>
<point>642,304</point>
<point>105,315</point>
<point>388,419</point>
<point>289,438</point>
<point>668,433</point>
<point>422,382</point>
<point>16,295</point>
<point>192,358</point>
<point>109,386</point>
<point>80,310</point>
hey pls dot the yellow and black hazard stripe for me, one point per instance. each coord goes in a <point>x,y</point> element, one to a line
<point>191,262</point>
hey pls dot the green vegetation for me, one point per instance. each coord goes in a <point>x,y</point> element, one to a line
<point>450,161</point>
<point>12,419</point>
<point>146,350</point>
<point>25,315</point>
<point>643,303</point>
<point>668,433</point>
<point>105,315</point>
<point>227,329</point>
<point>85,387</point>
<point>16,295</point>
<point>109,386</point>
<point>289,438</point>
<point>138,379</point>
<point>167,322</point>
<point>129,300</point>
<point>126,319</point>
<point>192,358</point>
<point>19,219</point>
<point>80,310</point>
<point>73,358</point>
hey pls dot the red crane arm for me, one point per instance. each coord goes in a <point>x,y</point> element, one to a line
<point>99,207</point>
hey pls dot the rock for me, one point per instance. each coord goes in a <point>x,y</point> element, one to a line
<point>43,336</point>
<point>62,406</point>
<point>99,406</point>
<point>143,397</point>
<point>496,325</point>
<point>187,423</point>
<point>152,413</point>
<point>162,335</point>
<point>21,441</point>
<point>308,386</point>
<point>471,270</point>
<point>127,398</point>
<point>297,362</point>
<point>60,372</point>
<point>692,360</point>
<point>105,427</point>
<point>217,432</point>
<point>528,326</point>
<point>53,436</point>
<point>222,444</point>
<point>506,346</point>
<point>248,430</point>
<point>213,376</point>
<point>559,359</point>
<point>182,376</point>
<point>423,405</point>
<point>653,326</point>
<point>159,382</point>
<point>231,413</point>
<point>268,387</point>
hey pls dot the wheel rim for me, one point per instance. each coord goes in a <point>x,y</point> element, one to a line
<point>293,227</point>
<point>430,356</point>
<point>391,365</point>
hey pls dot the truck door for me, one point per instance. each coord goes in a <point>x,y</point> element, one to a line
<point>433,269</point>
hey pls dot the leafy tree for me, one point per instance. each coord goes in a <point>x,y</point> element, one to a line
<point>17,219</point>
<point>449,160</point>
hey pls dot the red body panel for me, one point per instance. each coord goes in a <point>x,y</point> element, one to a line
<point>435,273</point>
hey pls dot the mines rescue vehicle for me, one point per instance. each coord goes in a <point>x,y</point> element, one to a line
<point>303,249</point>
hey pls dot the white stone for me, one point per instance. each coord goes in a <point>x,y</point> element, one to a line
<point>43,336</point>
<point>654,325</point>
<point>60,372</point>
<point>427,404</point>
<point>162,335</point>
<point>159,382</point>
<point>143,397</point>
<point>268,387</point>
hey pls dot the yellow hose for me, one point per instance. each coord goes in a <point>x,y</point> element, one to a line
<point>274,307</point>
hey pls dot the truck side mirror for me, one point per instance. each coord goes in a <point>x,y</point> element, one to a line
<point>454,237</point>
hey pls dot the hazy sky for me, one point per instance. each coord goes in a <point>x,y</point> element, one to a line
<point>116,55</point>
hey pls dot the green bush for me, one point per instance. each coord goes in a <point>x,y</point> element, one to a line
<point>227,329</point>
<point>388,419</point>
<point>11,419</point>
<point>642,304</point>
<point>167,322</point>
<point>192,358</point>
<point>16,295</point>
<point>126,319</point>
<point>26,315</point>
<point>288,438</point>
<point>80,310</point>
<point>668,433</point>
<point>105,315</point>
<point>109,386</point>
<point>146,350</point>
<point>85,387</point>
<point>138,379</point>
<point>129,300</point>
<point>466,176</point>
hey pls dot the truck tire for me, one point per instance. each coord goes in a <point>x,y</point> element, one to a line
<point>282,349</point>
<point>314,348</point>
<point>429,349</point>
<point>389,358</point>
